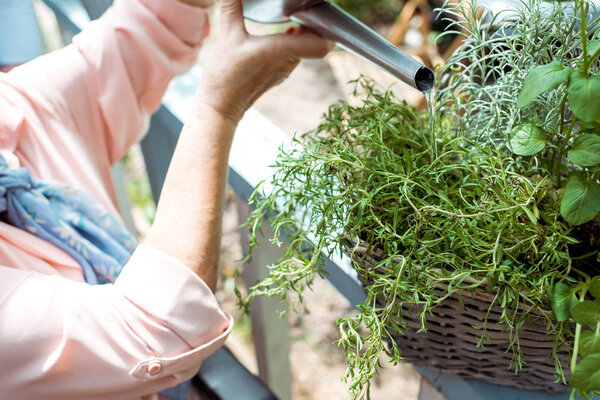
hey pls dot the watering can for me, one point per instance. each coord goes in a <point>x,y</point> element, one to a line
<point>333,23</point>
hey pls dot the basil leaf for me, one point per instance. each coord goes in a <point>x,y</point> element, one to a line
<point>541,79</point>
<point>584,96</point>
<point>581,201</point>
<point>562,301</point>
<point>586,313</point>
<point>589,343</point>
<point>586,376</point>
<point>586,150</point>
<point>593,48</point>
<point>526,140</point>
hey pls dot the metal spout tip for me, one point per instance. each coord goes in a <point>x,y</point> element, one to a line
<point>424,79</point>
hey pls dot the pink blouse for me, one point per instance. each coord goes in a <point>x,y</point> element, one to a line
<point>69,116</point>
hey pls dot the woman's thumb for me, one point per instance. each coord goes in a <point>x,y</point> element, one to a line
<point>232,15</point>
<point>303,44</point>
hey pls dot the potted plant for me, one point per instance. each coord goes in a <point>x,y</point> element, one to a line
<point>477,221</point>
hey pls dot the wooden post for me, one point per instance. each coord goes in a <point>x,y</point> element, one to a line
<point>400,27</point>
<point>429,392</point>
<point>270,333</point>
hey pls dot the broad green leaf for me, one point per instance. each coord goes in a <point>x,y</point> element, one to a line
<point>526,140</point>
<point>589,343</point>
<point>562,301</point>
<point>586,313</point>
<point>584,96</point>
<point>540,79</point>
<point>586,150</point>
<point>586,376</point>
<point>593,48</point>
<point>581,201</point>
<point>593,126</point>
<point>595,287</point>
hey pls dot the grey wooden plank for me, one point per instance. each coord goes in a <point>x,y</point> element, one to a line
<point>221,369</point>
<point>70,14</point>
<point>456,388</point>
<point>270,333</point>
<point>95,8</point>
<point>158,147</point>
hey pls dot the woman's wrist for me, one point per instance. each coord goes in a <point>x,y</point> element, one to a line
<point>206,107</point>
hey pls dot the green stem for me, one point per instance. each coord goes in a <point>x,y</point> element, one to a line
<point>583,274</point>
<point>583,31</point>
<point>575,348</point>
<point>562,151</point>
<point>577,335</point>
<point>558,160</point>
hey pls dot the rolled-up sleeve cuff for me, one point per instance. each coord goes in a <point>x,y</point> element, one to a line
<point>191,24</point>
<point>171,293</point>
<point>182,366</point>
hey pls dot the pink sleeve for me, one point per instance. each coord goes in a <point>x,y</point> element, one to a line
<point>115,73</point>
<point>61,339</point>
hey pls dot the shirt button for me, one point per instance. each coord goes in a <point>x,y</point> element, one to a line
<point>154,369</point>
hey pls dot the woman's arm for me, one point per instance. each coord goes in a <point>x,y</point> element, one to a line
<point>66,340</point>
<point>152,328</point>
<point>242,67</point>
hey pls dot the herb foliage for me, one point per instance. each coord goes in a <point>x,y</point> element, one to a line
<point>508,203</point>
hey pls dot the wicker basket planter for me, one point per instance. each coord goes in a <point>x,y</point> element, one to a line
<point>450,344</point>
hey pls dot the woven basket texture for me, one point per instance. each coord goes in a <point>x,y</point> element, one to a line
<point>450,343</point>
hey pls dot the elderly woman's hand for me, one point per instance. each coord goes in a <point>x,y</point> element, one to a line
<point>242,67</point>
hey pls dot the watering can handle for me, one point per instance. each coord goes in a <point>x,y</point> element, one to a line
<point>335,24</point>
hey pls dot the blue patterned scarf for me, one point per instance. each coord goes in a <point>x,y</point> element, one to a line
<point>74,222</point>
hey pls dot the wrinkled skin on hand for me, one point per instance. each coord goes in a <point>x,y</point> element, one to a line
<point>242,66</point>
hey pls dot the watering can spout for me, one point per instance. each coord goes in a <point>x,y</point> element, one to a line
<point>333,23</point>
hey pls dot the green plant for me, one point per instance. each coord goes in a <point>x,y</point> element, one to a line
<point>553,127</point>
<point>551,53</point>
<point>489,209</point>
<point>564,87</point>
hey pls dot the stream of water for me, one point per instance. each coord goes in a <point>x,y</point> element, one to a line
<point>431,114</point>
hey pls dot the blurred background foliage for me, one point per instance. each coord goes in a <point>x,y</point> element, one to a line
<point>373,11</point>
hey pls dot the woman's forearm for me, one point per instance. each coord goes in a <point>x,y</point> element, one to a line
<point>188,219</point>
<point>241,67</point>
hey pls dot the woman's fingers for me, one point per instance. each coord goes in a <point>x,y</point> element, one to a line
<point>232,15</point>
<point>242,67</point>
<point>301,44</point>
